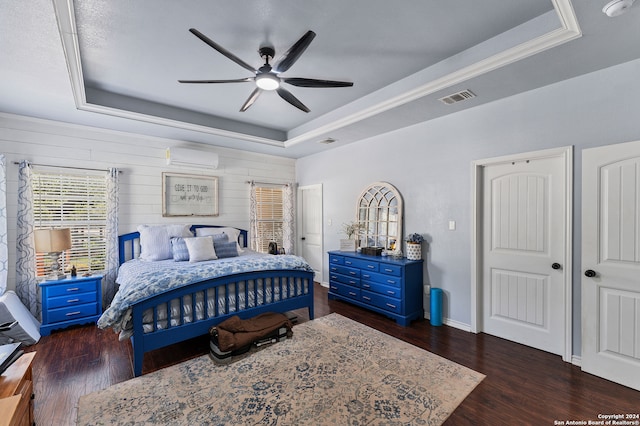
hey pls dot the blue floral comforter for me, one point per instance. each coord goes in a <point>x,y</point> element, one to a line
<point>140,279</point>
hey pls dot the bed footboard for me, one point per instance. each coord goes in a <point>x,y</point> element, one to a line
<point>193,309</point>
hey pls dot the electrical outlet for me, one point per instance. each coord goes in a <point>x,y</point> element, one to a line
<point>452,225</point>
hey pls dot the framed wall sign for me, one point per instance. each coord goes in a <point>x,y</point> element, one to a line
<point>189,195</point>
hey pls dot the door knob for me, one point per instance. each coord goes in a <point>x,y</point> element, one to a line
<point>590,273</point>
<point>556,266</point>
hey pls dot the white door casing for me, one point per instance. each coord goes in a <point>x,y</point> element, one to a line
<point>611,262</point>
<point>522,263</point>
<point>310,227</point>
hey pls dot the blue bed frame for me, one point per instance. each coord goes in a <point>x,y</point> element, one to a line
<point>279,280</point>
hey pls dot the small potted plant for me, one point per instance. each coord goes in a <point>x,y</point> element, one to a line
<point>414,246</point>
<point>351,230</point>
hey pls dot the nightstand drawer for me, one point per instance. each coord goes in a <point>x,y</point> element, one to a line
<point>72,300</point>
<point>72,288</point>
<point>72,312</point>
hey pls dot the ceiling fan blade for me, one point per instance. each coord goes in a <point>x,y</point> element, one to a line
<point>288,96</point>
<point>252,98</point>
<point>294,52</point>
<point>222,50</point>
<point>312,82</point>
<point>239,80</point>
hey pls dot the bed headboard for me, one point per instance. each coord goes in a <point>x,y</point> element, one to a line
<point>129,244</point>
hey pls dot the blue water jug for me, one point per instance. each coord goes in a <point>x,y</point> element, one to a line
<point>436,306</point>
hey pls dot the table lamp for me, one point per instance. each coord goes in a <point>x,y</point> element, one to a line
<point>53,242</point>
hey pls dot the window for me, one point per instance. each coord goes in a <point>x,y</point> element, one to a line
<point>78,202</point>
<point>269,217</point>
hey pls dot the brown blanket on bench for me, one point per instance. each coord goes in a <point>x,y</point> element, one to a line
<point>235,333</point>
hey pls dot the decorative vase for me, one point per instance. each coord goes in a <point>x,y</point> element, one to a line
<point>414,251</point>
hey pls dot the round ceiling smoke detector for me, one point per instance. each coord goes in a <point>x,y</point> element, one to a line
<point>617,7</point>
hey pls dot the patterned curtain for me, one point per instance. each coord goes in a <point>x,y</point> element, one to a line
<point>253,218</point>
<point>109,286</point>
<point>4,249</point>
<point>289,225</point>
<point>26,282</point>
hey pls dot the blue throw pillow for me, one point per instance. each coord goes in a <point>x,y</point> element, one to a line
<point>226,249</point>
<point>179,249</point>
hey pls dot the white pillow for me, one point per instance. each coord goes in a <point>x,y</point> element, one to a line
<point>200,249</point>
<point>155,243</point>
<point>179,230</point>
<point>233,234</point>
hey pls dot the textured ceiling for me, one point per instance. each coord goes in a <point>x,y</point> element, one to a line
<point>119,61</point>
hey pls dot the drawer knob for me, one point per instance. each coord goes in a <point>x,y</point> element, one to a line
<point>391,306</point>
<point>370,266</point>
<point>73,289</point>
<point>73,300</point>
<point>366,297</point>
<point>70,314</point>
<point>352,293</point>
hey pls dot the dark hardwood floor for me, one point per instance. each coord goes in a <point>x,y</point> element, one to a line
<point>523,386</point>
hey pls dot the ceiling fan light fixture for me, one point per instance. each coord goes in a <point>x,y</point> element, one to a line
<point>267,81</point>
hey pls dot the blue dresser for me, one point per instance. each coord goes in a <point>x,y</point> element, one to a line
<point>392,287</point>
<point>70,301</point>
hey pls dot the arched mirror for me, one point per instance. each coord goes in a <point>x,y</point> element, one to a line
<point>380,216</point>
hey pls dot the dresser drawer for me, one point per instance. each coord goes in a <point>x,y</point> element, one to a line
<point>387,303</point>
<point>345,279</point>
<point>344,290</point>
<point>72,312</point>
<point>364,265</point>
<point>382,279</point>
<point>344,270</point>
<point>72,288</point>
<point>387,268</point>
<point>72,300</point>
<point>385,290</point>
<point>336,260</point>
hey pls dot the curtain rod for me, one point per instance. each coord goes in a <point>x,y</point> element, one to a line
<point>67,167</point>
<point>266,183</point>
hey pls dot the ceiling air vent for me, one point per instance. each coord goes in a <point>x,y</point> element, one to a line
<point>327,141</point>
<point>463,95</point>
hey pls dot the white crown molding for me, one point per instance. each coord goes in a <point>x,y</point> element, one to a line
<point>67,26</point>
<point>569,30</point>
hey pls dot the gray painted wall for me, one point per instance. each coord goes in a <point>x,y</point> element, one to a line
<point>430,164</point>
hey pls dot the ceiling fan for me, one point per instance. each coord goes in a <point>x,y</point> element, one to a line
<point>267,76</point>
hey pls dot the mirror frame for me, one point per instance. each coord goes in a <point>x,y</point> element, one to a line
<point>381,204</point>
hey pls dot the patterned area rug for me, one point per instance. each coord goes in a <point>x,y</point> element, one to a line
<point>333,371</point>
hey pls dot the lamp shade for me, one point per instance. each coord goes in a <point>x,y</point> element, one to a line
<point>52,240</point>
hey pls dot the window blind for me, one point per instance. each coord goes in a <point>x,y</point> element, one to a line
<point>78,202</point>
<point>270,217</point>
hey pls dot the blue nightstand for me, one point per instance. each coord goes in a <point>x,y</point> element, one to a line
<point>70,301</point>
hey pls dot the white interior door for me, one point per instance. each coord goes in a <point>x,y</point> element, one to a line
<point>524,252</point>
<point>611,262</point>
<point>310,227</point>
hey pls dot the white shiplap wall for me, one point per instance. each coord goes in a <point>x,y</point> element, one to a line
<point>142,161</point>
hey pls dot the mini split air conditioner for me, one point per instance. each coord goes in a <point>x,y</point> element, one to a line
<point>177,156</point>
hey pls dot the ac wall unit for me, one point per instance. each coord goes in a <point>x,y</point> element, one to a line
<point>177,156</point>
